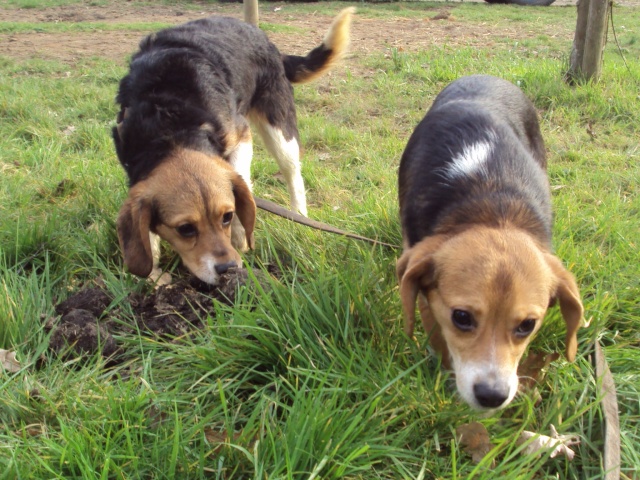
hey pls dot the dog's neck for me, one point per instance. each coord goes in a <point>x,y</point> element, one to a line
<point>497,211</point>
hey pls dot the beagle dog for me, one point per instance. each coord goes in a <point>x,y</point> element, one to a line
<point>476,220</point>
<point>183,138</point>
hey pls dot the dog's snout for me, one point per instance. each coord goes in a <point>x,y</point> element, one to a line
<point>224,267</point>
<point>490,396</point>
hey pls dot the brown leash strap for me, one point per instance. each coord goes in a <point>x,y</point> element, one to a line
<point>276,209</point>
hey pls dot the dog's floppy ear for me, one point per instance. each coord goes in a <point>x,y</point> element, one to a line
<point>245,207</point>
<point>568,295</point>
<point>416,269</point>
<point>134,223</point>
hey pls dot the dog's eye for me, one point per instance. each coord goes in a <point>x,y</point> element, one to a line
<point>187,230</point>
<point>463,320</point>
<point>226,218</point>
<point>525,328</point>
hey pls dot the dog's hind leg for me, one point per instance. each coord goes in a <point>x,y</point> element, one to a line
<point>287,154</point>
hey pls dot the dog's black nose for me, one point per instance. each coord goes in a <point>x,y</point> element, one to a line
<point>224,267</point>
<point>490,397</point>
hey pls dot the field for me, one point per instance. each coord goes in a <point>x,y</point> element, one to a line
<point>306,373</point>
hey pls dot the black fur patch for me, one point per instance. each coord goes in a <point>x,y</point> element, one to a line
<point>212,71</point>
<point>512,186</point>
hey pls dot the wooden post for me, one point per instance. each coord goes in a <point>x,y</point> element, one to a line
<point>251,11</point>
<point>589,40</point>
<point>577,50</point>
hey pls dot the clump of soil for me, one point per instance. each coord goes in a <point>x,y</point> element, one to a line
<point>87,319</point>
<point>79,331</point>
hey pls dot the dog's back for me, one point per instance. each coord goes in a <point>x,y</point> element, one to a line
<point>476,220</point>
<point>190,60</point>
<point>477,157</point>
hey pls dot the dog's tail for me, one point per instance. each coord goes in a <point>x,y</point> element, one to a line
<point>322,58</point>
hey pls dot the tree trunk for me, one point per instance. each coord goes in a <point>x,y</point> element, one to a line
<point>589,40</point>
<point>251,11</point>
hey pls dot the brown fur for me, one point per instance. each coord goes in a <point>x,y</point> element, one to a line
<point>511,280</point>
<point>165,201</point>
<point>502,276</point>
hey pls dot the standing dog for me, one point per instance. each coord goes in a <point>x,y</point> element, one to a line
<point>476,220</point>
<point>183,137</point>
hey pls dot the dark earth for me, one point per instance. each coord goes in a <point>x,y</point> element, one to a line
<point>87,321</point>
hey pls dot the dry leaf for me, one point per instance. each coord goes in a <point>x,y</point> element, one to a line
<point>474,439</point>
<point>530,371</point>
<point>218,439</point>
<point>8,361</point>
<point>559,443</point>
<point>33,430</point>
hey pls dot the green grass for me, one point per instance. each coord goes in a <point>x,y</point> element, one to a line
<point>312,377</point>
<point>66,27</point>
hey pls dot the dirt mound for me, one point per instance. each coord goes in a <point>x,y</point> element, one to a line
<point>87,321</point>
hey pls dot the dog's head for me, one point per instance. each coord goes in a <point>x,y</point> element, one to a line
<point>189,200</point>
<point>483,294</point>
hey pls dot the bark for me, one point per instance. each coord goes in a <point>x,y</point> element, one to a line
<point>251,11</point>
<point>585,62</point>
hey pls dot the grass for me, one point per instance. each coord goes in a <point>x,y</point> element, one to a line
<point>67,27</point>
<point>311,378</point>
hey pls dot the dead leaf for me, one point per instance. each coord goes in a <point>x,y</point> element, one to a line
<point>611,416</point>
<point>218,439</point>
<point>531,369</point>
<point>474,439</point>
<point>559,443</point>
<point>9,361</point>
<point>32,430</point>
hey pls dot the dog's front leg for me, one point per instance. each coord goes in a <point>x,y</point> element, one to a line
<point>157,276</point>
<point>240,159</point>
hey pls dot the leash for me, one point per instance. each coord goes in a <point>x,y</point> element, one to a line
<point>276,209</point>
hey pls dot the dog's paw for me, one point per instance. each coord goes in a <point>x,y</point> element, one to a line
<point>159,278</point>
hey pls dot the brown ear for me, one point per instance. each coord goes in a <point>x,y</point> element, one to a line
<point>134,222</point>
<point>568,295</point>
<point>415,269</point>
<point>245,207</point>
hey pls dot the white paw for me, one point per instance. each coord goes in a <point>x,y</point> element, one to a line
<point>159,278</point>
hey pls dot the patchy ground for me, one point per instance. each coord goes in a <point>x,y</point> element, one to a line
<point>87,321</point>
<point>436,27</point>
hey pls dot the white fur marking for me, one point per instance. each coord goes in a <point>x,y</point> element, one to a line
<point>471,159</point>
<point>287,154</point>
<point>206,270</point>
<point>157,276</point>
<point>469,374</point>
<point>240,160</point>
<point>154,240</point>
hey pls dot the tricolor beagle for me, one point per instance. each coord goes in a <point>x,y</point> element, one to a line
<point>183,137</point>
<point>476,220</point>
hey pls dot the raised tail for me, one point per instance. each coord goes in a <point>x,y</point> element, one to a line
<point>322,58</point>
